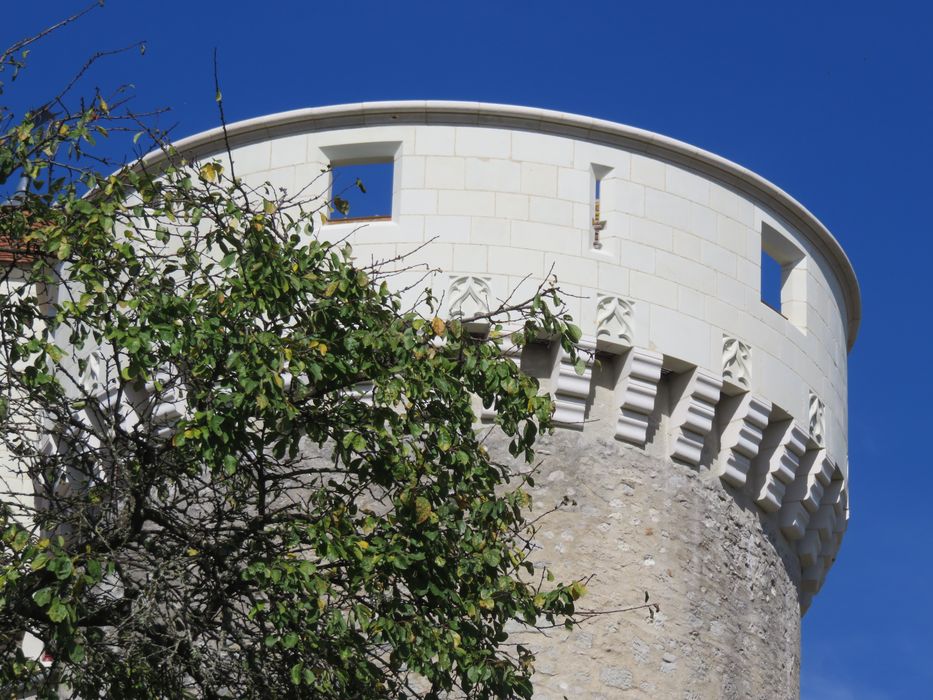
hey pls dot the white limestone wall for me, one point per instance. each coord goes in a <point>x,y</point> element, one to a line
<point>493,199</point>
<point>504,204</point>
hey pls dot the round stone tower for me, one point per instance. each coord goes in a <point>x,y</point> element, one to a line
<point>704,446</point>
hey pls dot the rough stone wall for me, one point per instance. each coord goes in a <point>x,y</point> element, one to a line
<point>729,625</point>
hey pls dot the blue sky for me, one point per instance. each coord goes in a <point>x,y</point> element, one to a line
<point>831,101</point>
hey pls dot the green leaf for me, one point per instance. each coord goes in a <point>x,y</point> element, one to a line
<point>76,652</point>
<point>295,673</point>
<point>422,509</point>
<point>443,440</point>
<point>350,439</point>
<point>93,569</point>
<point>42,596</point>
<point>64,568</point>
<point>574,332</point>
<point>57,612</point>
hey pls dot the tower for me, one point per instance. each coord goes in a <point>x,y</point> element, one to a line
<point>703,447</point>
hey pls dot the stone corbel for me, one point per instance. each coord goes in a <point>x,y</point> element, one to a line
<point>778,460</point>
<point>831,533</point>
<point>169,408</point>
<point>811,577</point>
<point>48,445</point>
<point>572,390</point>
<point>512,352</point>
<point>747,418</point>
<point>820,538</point>
<point>692,416</point>
<point>803,495</point>
<point>641,372</point>
<point>96,381</point>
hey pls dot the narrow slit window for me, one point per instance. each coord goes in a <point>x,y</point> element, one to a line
<point>598,224</point>
<point>361,191</point>
<point>772,280</point>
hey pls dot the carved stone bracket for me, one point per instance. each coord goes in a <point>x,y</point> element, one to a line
<point>803,495</point>
<point>614,323</point>
<point>641,372</point>
<point>778,459</point>
<point>692,416</point>
<point>95,380</point>
<point>572,390</point>
<point>166,406</point>
<point>736,363</point>
<point>817,549</point>
<point>741,437</point>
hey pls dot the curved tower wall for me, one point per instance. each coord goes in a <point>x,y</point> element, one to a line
<point>705,445</point>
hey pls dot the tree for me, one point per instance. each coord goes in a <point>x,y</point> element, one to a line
<point>237,465</point>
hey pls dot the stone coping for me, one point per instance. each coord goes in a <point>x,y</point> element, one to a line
<point>552,122</point>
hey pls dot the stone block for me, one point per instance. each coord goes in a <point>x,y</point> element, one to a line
<point>444,173</point>
<point>500,176</point>
<point>539,179</point>
<point>466,203</point>
<point>686,184</point>
<point>541,148</point>
<point>483,143</point>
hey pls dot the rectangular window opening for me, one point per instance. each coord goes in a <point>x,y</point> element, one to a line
<point>361,191</point>
<point>784,277</point>
<point>772,280</point>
